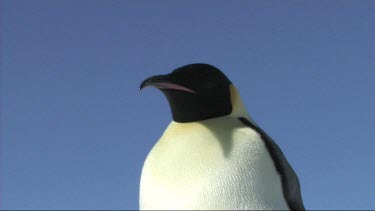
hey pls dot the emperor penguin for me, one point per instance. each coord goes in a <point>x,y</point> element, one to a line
<point>213,156</point>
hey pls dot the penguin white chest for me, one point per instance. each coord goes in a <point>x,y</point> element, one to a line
<point>212,164</point>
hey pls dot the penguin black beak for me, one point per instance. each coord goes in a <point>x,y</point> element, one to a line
<point>163,82</point>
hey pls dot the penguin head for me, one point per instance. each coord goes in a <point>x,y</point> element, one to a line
<point>195,92</point>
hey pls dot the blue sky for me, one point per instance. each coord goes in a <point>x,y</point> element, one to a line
<point>75,129</point>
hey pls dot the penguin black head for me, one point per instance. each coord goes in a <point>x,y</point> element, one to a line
<point>195,92</point>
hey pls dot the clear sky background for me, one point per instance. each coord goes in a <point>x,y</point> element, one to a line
<point>75,129</point>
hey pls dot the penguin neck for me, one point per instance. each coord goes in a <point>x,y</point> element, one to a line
<point>238,107</point>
